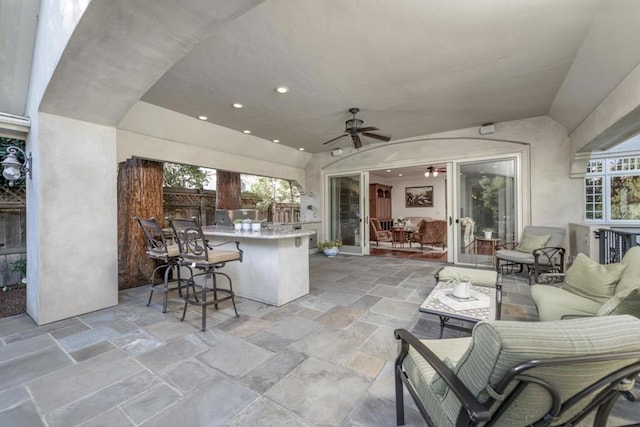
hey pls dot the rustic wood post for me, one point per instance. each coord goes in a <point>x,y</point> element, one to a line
<point>139,195</point>
<point>228,190</point>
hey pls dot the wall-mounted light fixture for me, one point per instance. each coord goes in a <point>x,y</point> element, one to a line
<point>12,168</point>
<point>431,171</point>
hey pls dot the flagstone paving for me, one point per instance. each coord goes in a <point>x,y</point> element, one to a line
<point>325,359</point>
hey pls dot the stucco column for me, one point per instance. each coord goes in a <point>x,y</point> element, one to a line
<point>71,218</point>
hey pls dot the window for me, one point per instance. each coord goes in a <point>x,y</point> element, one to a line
<point>612,190</point>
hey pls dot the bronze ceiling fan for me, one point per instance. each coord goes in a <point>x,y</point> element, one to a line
<point>432,171</point>
<point>354,129</point>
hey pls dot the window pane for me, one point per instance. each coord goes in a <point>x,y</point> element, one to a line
<point>593,198</point>
<point>625,197</point>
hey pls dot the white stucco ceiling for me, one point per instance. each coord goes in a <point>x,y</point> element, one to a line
<point>18,21</point>
<point>413,67</point>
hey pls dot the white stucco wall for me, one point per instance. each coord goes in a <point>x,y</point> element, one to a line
<point>399,184</point>
<point>550,196</point>
<point>155,133</point>
<point>77,223</point>
<point>71,204</point>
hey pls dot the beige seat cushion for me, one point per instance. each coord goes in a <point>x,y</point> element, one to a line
<point>595,281</point>
<point>530,242</point>
<point>173,251</point>
<point>216,257</point>
<point>499,345</point>
<point>624,302</point>
<point>631,276</point>
<point>553,303</point>
<point>476,276</point>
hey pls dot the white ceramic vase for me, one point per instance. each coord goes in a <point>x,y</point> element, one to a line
<point>255,227</point>
<point>487,234</point>
<point>246,226</point>
<point>238,226</point>
<point>461,289</point>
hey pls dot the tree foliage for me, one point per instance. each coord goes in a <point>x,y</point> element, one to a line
<point>184,176</point>
<point>274,190</point>
<point>625,197</point>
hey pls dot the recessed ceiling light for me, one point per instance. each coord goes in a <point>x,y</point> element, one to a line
<point>388,170</point>
<point>246,131</point>
<point>399,174</point>
<point>237,105</point>
<point>282,89</point>
<point>301,148</point>
<point>276,140</point>
<point>203,117</point>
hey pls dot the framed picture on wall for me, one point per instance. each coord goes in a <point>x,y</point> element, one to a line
<point>418,197</point>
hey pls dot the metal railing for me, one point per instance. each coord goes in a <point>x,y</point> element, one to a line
<point>614,243</point>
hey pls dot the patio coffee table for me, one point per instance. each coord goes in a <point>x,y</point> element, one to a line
<point>483,304</point>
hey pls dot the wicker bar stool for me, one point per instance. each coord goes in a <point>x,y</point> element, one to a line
<point>195,251</point>
<point>169,255</point>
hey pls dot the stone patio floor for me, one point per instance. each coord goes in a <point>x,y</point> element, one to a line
<point>323,360</point>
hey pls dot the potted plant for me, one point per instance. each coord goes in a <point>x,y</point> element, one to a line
<point>331,247</point>
<point>460,285</point>
<point>256,224</point>
<point>487,232</point>
<point>246,225</point>
<point>237,224</point>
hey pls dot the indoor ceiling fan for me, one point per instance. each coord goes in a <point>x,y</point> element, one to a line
<point>354,129</point>
<point>431,171</point>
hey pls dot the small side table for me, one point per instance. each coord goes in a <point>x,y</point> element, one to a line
<point>398,236</point>
<point>481,241</point>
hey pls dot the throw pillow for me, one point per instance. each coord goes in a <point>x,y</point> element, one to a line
<point>437,383</point>
<point>624,302</point>
<point>533,241</point>
<point>591,280</point>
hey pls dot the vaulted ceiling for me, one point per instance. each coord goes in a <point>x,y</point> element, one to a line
<point>413,67</point>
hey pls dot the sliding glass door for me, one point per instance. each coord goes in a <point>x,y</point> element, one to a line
<point>486,208</point>
<point>346,211</point>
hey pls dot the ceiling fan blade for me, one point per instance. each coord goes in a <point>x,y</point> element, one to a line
<point>357,143</point>
<point>367,129</point>
<point>335,139</point>
<point>379,136</point>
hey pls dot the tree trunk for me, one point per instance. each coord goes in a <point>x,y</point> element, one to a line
<point>228,190</point>
<point>139,195</point>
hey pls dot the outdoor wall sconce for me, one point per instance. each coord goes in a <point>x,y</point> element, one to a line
<point>12,168</point>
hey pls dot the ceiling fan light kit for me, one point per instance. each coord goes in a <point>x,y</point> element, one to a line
<point>354,127</point>
<point>431,171</point>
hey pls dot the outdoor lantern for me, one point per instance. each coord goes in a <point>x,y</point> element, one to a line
<point>12,168</point>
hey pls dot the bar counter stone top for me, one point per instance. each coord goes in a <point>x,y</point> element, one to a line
<point>212,230</point>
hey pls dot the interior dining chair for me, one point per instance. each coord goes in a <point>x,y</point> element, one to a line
<point>168,255</point>
<point>197,252</point>
<point>518,374</point>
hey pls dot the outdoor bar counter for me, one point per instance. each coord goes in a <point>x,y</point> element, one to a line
<point>275,264</point>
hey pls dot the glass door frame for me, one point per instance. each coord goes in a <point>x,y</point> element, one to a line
<point>452,189</point>
<point>363,224</point>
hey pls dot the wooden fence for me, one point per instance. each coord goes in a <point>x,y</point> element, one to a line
<point>13,233</point>
<point>187,203</point>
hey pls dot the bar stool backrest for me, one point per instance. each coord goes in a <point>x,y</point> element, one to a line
<point>154,236</point>
<point>188,233</point>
